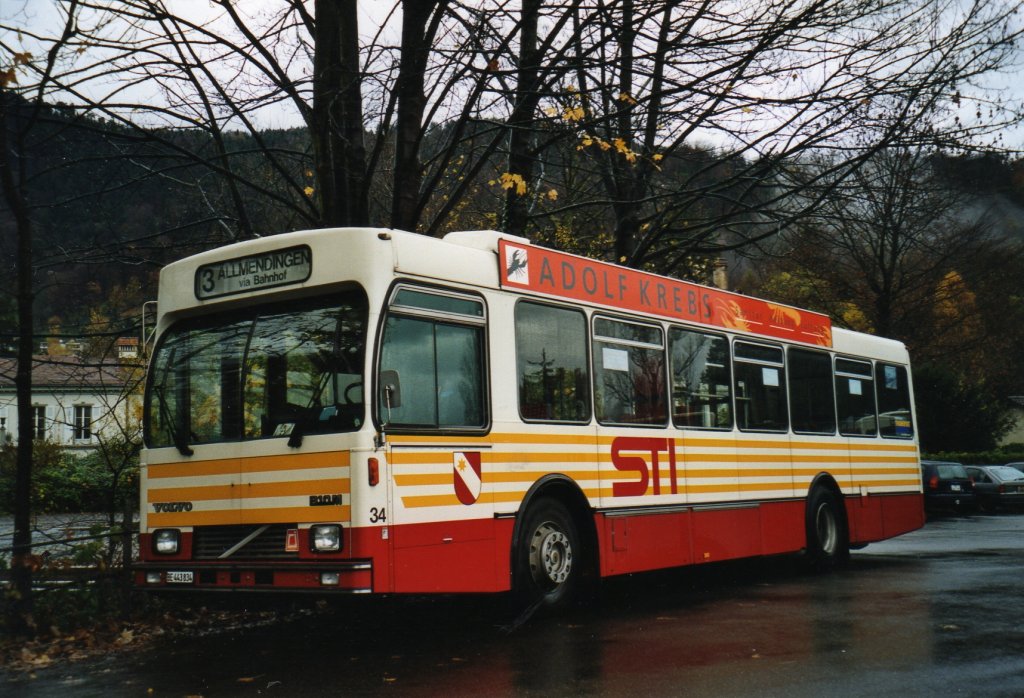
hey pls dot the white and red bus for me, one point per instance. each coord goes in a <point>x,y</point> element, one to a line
<point>374,411</point>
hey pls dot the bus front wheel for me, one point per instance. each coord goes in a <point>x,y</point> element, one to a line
<point>828,542</point>
<point>548,556</point>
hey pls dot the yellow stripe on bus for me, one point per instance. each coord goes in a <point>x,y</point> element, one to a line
<point>782,442</point>
<point>491,477</point>
<point>249,491</point>
<point>444,500</point>
<point>495,438</point>
<point>257,464</point>
<point>445,458</point>
<point>251,516</point>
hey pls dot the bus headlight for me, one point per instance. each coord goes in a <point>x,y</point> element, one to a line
<point>166,541</point>
<point>326,538</point>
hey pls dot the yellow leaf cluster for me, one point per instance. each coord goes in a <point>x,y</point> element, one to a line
<point>573,114</point>
<point>308,191</point>
<point>626,98</point>
<point>510,180</point>
<point>589,140</point>
<point>622,147</point>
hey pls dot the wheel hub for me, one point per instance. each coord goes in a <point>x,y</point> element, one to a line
<point>551,555</point>
<point>828,532</point>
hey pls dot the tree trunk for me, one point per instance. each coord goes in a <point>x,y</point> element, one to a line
<point>419,26</point>
<point>521,155</point>
<point>339,149</point>
<point>12,180</point>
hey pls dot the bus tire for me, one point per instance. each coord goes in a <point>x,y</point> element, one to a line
<point>548,557</point>
<point>828,539</point>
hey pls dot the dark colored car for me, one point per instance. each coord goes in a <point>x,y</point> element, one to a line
<point>1018,466</point>
<point>947,487</point>
<point>997,486</point>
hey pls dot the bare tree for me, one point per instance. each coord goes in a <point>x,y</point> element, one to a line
<point>899,250</point>
<point>767,83</point>
<point>409,113</point>
<point>887,239</point>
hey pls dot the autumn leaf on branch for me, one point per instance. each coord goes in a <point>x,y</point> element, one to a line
<point>510,180</point>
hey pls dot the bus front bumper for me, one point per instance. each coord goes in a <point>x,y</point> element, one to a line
<point>337,576</point>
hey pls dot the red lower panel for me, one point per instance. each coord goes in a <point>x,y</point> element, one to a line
<point>644,542</point>
<point>783,527</point>
<point>726,534</point>
<point>647,541</point>
<point>877,517</point>
<point>902,514</point>
<point>454,556</point>
<point>864,515</point>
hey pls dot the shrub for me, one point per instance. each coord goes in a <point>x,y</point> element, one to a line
<point>65,482</point>
<point>1010,453</point>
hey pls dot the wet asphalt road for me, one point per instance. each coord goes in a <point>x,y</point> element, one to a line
<point>937,612</point>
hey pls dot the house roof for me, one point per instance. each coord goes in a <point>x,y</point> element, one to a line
<point>67,373</point>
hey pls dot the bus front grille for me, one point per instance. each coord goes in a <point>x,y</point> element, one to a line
<point>230,542</point>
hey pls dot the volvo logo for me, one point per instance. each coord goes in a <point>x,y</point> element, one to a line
<point>168,507</point>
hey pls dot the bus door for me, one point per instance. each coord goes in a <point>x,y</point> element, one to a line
<point>432,405</point>
<point>858,425</point>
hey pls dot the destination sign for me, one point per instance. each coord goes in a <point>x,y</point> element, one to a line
<point>256,272</point>
<point>552,273</point>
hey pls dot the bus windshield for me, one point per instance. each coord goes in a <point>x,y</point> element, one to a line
<point>282,370</point>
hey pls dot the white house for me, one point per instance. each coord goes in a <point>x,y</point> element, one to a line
<point>1016,433</point>
<point>75,402</point>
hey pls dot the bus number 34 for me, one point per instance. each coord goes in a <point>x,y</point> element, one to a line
<point>378,515</point>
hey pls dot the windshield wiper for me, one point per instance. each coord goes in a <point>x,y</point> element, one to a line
<point>180,442</point>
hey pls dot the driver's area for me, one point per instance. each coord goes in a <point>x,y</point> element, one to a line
<point>307,368</point>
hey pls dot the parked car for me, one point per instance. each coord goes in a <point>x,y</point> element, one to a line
<point>947,487</point>
<point>1019,466</point>
<point>997,486</point>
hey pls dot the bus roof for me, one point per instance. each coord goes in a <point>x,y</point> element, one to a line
<point>489,259</point>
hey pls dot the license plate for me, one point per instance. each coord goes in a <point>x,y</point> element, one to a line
<point>954,488</point>
<point>179,577</point>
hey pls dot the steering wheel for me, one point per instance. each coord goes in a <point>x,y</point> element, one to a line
<point>346,395</point>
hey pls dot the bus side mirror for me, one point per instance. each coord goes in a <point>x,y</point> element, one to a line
<point>390,389</point>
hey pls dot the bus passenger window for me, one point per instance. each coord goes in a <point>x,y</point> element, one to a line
<point>551,360</point>
<point>433,344</point>
<point>812,407</point>
<point>629,373</point>
<point>701,395</point>
<point>893,389</point>
<point>759,375</point>
<point>855,398</point>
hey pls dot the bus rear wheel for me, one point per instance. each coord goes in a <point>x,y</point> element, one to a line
<point>828,541</point>
<point>548,556</point>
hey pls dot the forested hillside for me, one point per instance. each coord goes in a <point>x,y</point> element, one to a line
<point>112,206</point>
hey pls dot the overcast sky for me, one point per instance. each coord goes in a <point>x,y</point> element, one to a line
<point>45,17</point>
